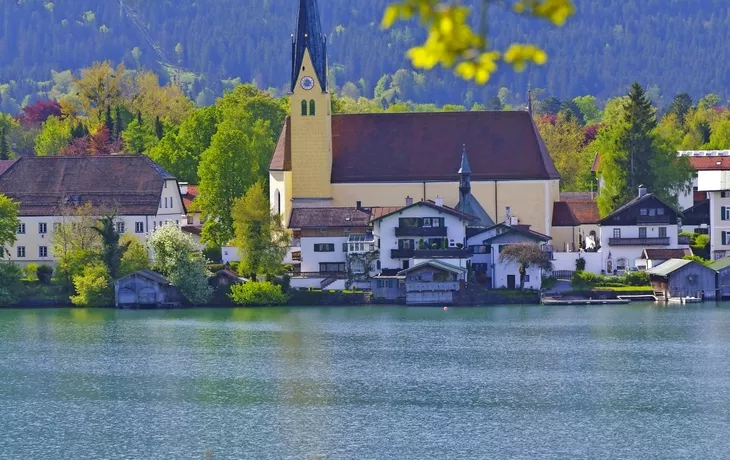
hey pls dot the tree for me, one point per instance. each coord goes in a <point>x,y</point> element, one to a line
<point>111,250</point>
<point>55,135</point>
<point>101,86</point>
<point>39,112</point>
<point>589,109</point>
<point>139,137</point>
<point>565,140</point>
<point>236,159</point>
<point>135,258</point>
<point>452,42</point>
<point>4,147</point>
<point>550,106</point>
<point>708,101</point>
<point>494,104</point>
<point>261,239</point>
<point>10,284</point>
<point>75,242</point>
<point>159,130</point>
<point>8,223</point>
<point>94,287</point>
<point>174,255</point>
<point>526,255</point>
<point>681,104</point>
<point>719,136</point>
<point>152,100</point>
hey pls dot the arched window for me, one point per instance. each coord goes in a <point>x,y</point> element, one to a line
<point>278,202</point>
<point>311,107</point>
<point>304,108</point>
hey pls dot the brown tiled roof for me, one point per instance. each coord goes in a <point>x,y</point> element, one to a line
<point>388,147</point>
<point>570,196</point>
<point>575,212</point>
<point>192,229</point>
<point>281,161</point>
<point>709,163</point>
<point>377,213</point>
<point>328,217</point>
<point>131,184</point>
<point>5,164</point>
<point>666,254</point>
<point>596,163</point>
<point>190,196</point>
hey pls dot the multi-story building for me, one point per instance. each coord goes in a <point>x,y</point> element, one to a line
<point>50,190</point>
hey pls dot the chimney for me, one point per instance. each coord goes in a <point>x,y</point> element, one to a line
<point>358,205</point>
<point>183,188</point>
<point>507,216</point>
<point>439,201</point>
<point>642,191</point>
<point>409,201</point>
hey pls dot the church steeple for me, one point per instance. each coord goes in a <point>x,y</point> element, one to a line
<point>464,175</point>
<point>309,37</point>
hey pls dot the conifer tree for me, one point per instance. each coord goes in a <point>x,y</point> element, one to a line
<point>108,121</point>
<point>118,125</point>
<point>159,132</point>
<point>4,147</point>
<point>638,140</point>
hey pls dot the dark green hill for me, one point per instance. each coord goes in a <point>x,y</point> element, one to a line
<point>673,44</point>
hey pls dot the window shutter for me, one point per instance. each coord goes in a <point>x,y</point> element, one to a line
<point>724,237</point>
<point>722,213</point>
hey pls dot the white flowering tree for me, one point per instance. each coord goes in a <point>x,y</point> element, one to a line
<point>175,256</point>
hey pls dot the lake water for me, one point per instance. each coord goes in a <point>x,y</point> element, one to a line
<point>610,382</point>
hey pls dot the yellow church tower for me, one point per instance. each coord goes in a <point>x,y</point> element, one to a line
<point>311,118</point>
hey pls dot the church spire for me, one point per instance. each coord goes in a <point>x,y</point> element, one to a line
<point>464,175</point>
<point>309,37</point>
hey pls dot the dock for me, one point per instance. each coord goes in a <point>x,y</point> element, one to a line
<point>550,301</point>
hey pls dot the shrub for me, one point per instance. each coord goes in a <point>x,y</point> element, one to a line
<point>30,272</point>
<point>636,279</point>
<point>93,287</point>
<point>258,294</point>
<point>214,254</point>
<point>580,264</point>
<point>582,280</point>
<point>215,268</point>
<point>548,282</point>
<point>45,273</point>
<point>10,284</point>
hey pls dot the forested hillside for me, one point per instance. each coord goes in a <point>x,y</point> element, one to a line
<point>674,45</point>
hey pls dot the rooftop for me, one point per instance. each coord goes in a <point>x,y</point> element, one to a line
<point>575,212</point>
<point>329,217</point>
<point>666,254</point>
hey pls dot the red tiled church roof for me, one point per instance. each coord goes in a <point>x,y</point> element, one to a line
<point>575,212</point>
<point>393,147</point>
<point>131,184</point>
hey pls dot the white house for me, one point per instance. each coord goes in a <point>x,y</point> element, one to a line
<point>644,222</point>
<point>420,231</point>
<point>50,190</point>
<point>486,246</point>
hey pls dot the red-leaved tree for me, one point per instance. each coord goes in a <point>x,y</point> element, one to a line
<point>38,112</point>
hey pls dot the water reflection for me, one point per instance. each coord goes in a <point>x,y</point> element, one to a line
<point>634,381</point>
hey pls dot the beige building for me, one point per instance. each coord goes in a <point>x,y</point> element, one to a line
<point>51,189</point>
<point>330,160</point>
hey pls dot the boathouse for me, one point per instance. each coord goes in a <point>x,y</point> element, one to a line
<point>432,282</point>
<point>683,278</point>
<point>145,289</point>
<point>722,267</point>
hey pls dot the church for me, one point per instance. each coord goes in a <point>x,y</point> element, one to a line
<point>380,159</point>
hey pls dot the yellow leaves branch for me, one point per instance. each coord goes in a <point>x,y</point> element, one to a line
<point>453,43</point>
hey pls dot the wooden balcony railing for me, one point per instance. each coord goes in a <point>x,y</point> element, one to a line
<point>420,231</point>
<point>638,241</point>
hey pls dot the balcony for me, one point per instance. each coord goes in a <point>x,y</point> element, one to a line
<point>638,241</point>
<point>420,231</point>
<point>425,286</point>
<point>401,253</point>
<point>450,253</point>
<point>663,219</point>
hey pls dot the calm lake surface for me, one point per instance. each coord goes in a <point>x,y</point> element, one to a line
<point>612,382</point>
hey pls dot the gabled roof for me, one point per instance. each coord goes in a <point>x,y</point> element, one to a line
<point>635,201</point>
<point>189,197</point>
<point>718,163</point>
<point>381,211</point>
<point>575,212</point>
<point>509,229</point>
<point>721,264</point>
<point>432,205</point>
<point>434,263</point>
<point>698,214</point>
<point>131,184</point>
<point>671,266</point>
<point>665,254</point>
<point>328,217</point>
<point>309,36</point>
<point>412,147</point>
<point>150,275</point>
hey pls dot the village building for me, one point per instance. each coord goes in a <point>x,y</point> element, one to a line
<point>332,160</point>
<point>678,278</point>
<point>651,258</point>
<point>714,181</point>
<point>192,223</point>
<point>141,194</point>
<point>697,219</point>
<point>644,222</point>
<point>575,223</point>
<point>145,289</point>
<point>433,282</point>
<point>722,267</point>
<point>486,245</point>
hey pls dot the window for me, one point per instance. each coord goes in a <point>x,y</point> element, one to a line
<point>660,212</point>
<point>426,221</point>
<point>21,229</point>
<point>344,247</point>
<point>278,201</point>
<point>311,107</point>
<point>42,228</point>
<point>652,212</point>
<point>617,233</point>
<point>21,251</point>
<point>724,213</point>
<point>405,244</point>
<point>139,227</point>
<point>480,249</point>
<point>357,266</point>
<point>527,278</point>
<point>644,212</point>
<point>409,222</point>
<point>724,194</point>
<point>324,247</point>
<point>190,220</point>
<point>160,203</point>
<point>154,225</point>
<point>119,227</point>
<point>165,184</point>
<point>437,222</point>
<point>662,232</point>
<point>165,202</point>
<point>642,232</point>
<point>42,251</point>
<point>304,108</point>
<point>331,267</point>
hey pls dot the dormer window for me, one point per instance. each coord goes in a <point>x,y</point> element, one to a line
<point>644,212</point>
<point>660,212</point>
